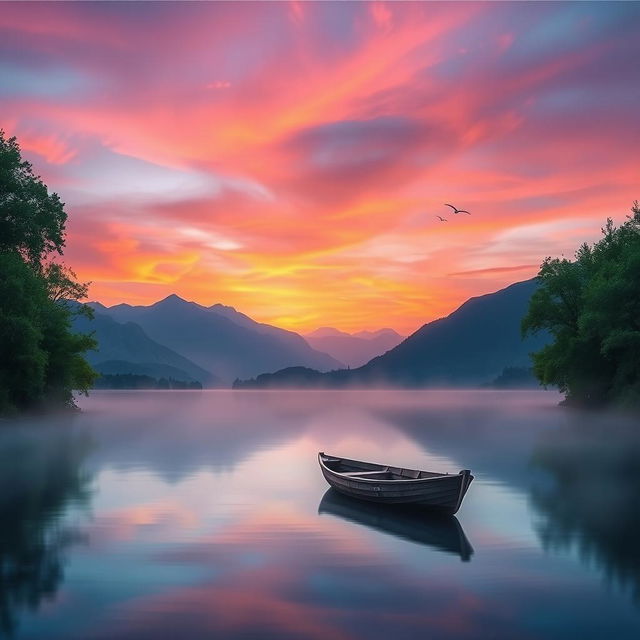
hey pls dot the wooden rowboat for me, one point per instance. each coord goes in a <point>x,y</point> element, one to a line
<point>393,485</point>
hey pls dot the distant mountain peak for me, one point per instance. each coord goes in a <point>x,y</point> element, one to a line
<point>326,332</point>
<point>172,298</point>
<point>353,349</point>
<point>470,347</point>
<point>218,306</point>
<point>221,339</point>
<point>97,306</point>
<point>370,335</point>
<point>323,332</point>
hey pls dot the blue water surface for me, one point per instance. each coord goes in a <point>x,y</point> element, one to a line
<point>162,515</point>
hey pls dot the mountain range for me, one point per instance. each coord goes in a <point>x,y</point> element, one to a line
<point>353,349</point>
<point>126,348</point>
<point>216,345</point>
<point>472,346</point>
<point>218,340</point>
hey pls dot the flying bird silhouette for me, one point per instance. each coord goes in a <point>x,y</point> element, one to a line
<point>441,219</point>
<point>456,210</point>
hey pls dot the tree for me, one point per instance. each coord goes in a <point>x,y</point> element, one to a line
<point>41,360</point>
<point>591,307</point>
<point>32,221</point>
<point>62,284</point>
<point>22,360</point>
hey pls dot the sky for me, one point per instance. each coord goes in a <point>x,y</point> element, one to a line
<point>290,158</point>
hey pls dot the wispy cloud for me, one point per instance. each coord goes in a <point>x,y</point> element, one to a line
<point>290,158</point>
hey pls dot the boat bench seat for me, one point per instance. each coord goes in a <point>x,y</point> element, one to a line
<point>363,473</point>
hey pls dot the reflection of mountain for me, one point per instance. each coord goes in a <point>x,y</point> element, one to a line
<point>40,476</point>
<point>442,532</point>
<point>594,501</point>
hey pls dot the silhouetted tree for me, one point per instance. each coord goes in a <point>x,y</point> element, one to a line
<point>40,359</point>
<point>591,308</point>
<point>32,220</point>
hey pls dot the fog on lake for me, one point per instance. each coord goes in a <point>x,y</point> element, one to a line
<point>158,515</point>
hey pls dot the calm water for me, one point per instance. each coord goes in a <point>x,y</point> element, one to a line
<point>162,515</point>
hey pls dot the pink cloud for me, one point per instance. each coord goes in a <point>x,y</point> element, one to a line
<point>334,133</point>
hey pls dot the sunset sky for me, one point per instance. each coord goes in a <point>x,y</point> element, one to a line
<point>290,159</point>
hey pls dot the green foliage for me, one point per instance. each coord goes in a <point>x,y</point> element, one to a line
<point>32,221</point>
<point>66,369</point>
<point>591,307</point>
<point>40,359</point>
<point>62,284</point>
<point>22,361</point>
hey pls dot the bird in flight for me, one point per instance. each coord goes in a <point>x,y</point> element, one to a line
<point>456,210</point>
<point>441,219</point>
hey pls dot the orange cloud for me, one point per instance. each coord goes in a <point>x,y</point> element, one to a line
<point>290,159</point>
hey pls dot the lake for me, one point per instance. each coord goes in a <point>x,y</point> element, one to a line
<point>162,515</point>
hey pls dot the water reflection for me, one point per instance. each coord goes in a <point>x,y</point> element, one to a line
<point>593,503</point>
<point>492,433</point>
<point>205,520</point>
<point>275,575</point>
<point>579,470</point>
<point>439,531</point>
<point>176,434</point>
<point>40,476</point>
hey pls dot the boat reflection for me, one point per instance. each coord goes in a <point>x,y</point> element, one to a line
<point>439,531</point>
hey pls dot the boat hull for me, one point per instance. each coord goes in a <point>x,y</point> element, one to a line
<point>441,492</point>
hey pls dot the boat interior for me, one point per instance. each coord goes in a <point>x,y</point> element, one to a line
<point>372,471</point>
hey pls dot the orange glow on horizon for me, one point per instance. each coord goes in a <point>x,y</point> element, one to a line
<point>290,159</point>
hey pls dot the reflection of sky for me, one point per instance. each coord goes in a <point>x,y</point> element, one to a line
<point>203,522</point>
<point>357,120</point>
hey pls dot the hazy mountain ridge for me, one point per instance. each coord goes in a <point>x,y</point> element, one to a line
<point>221,339</point>
<point>355,349</point>
<point>324,332</point>
<point>126,348</point>
<point>372,335</point>
<point>151,369</point>
<point>291,377</point>
<point>470,347</point>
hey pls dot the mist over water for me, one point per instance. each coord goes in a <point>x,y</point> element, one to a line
<point>154,515</point>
